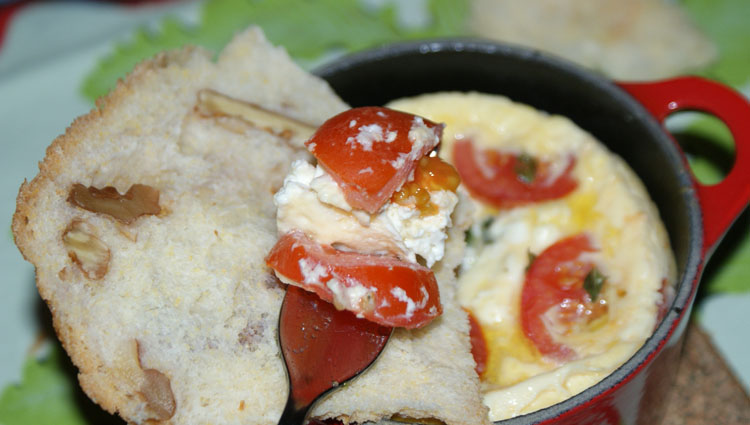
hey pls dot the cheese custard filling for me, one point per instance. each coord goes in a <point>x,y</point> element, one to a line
<point>567,263</point>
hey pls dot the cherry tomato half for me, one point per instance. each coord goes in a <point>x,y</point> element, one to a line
<point>382,289</point>
<point>505,180</point>
<point>478,344</point>
<point>371,151</point>
<point>553,294</point>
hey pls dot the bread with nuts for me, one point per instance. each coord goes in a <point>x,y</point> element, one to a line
<point>148,224</point>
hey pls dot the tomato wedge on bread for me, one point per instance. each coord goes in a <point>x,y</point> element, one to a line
<point>554,295</point>
<point>382,289</point>
<point>504,180</point>
<point>371,151</point>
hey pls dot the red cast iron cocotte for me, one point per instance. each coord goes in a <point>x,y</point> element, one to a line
<point>628,118</point>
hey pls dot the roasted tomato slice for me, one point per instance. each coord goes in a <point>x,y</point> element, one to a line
<point>506,179</point>
<point>553,294</point>
<point>478,344</point>
<point>371,151</point>
<point>382,289</point>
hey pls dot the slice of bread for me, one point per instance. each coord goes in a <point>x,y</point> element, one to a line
<point>161,296</point>
<point>625,40</point>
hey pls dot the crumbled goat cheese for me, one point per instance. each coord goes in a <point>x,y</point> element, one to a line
<point>369,134</point>
<point>311,201</point>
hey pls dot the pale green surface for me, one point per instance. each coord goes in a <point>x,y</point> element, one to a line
<point>50,395</point>
<point>315,28</point>
<point>727,23</point>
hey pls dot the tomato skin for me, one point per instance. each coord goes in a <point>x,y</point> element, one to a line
<point>478,344</point>
<point>399,293</point>
<point>554,277</point>
<point>369,153</point>
<point>492,177</point>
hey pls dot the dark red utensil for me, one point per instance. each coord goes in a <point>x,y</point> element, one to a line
<point>323,348</point>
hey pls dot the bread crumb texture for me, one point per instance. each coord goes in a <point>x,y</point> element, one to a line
<point>171,318</point>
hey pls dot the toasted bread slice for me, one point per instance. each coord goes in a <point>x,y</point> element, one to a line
<point>157,284</point>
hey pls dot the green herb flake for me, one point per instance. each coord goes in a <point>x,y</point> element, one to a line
<point>593,283</point>
<point>479,234</point>
<point>469,237</point>
<point>531,257</point>
<point>486,238</point>
<point>526,168</point>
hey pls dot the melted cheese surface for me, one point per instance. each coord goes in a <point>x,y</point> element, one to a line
<point>610,204</point>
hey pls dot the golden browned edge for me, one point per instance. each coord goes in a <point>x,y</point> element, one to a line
<point>55,158</point>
